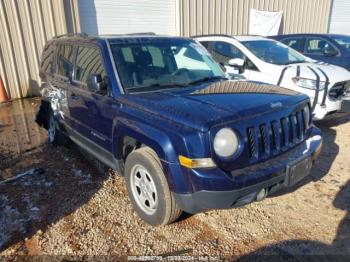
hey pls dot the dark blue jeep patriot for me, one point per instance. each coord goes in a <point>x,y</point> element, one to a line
<point>160,111</point>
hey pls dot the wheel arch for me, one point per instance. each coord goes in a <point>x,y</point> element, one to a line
<point>145,135</point>
<point>158,141</point>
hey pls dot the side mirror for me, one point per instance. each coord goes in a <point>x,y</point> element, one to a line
<point>237,63</point>
<point>97,84</point>
<point>330,52</point>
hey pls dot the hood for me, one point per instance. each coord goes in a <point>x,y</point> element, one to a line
<point>335,73</point>
<point>204,106</point>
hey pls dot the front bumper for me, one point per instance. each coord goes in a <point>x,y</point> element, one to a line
<point>320,112</point>
<point>246,183</point>
<point>331,106</point>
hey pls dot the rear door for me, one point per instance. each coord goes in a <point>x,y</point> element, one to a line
<point>91,111</point>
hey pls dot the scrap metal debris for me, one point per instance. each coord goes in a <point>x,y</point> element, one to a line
<point>30,172</point>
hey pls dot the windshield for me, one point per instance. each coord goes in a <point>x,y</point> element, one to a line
<point>342,40</point>
<point>274,52</point>
<point>152,64</point>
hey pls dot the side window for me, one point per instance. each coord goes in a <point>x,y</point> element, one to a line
<point>318,46</point>
<point>88,63</point>
<point>64,60</point>
<point>47,58</point>
<point>295,43</point>
<point>223,52</point>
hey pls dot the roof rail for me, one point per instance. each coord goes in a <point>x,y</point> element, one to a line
<point>82,34</point>
<point>129,34</point>
<point>251,35</point>
<point>193,36</point>
<point>142,33</point>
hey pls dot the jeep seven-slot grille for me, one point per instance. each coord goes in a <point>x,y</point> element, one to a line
<point>266,139</point>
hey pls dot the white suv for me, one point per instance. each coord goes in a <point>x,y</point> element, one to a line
<point>265,60</point>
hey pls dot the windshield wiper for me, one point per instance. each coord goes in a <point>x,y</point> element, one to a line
<point>175,85</point>
<point>167,85</point>
<point>206,79</point>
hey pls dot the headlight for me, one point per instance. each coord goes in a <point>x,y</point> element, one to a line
<point>225,142</point>
<point>308,83</point>
<point>307,116</point>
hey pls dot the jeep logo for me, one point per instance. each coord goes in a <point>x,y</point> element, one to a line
<point>277,104</point>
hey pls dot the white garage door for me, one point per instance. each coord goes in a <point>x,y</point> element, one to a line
<point>128,16</point>
<point>340,17</point>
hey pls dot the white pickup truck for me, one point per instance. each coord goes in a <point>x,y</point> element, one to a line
<point>265,60</point>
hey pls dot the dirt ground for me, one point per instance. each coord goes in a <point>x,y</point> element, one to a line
<point>64,207</point>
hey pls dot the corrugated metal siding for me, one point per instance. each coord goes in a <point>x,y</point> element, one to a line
<point>25,27</point>
<point>232,16</point>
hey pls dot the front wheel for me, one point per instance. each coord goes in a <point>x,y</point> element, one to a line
<point>148,188</point>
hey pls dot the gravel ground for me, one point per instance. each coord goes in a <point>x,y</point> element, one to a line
<point>65,207</point>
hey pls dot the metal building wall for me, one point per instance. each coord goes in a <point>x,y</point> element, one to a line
<point>232,16</point>
<point>25,27</point>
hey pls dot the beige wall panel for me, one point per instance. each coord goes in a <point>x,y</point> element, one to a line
<point>232,16</point>
<point>25,26</point>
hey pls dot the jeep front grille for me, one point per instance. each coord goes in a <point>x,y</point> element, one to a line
<point>267,139</point>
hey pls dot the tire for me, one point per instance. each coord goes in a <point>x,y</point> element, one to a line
<point>55,135</point>
<point>145,181</point>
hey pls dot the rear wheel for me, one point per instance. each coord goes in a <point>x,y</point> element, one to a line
<point>54,134</point>
<point>148,188</point>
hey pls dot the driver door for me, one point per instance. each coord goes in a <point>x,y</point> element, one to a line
<point>91,111</point>
<point>322,50</point>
